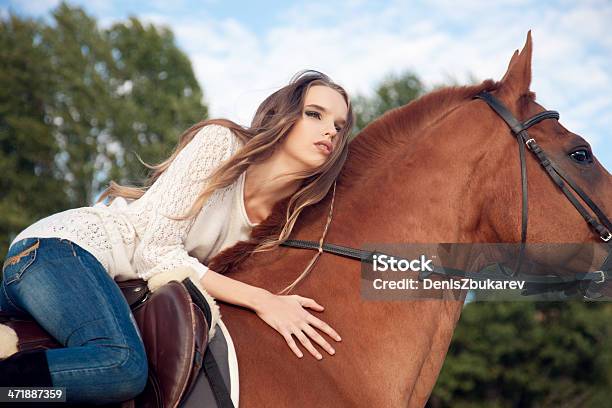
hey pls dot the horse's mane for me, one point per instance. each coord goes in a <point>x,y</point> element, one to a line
<point>372,146</point>
<point>368,149</point>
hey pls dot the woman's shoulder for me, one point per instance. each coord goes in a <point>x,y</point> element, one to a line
<point>219,133</point>
<point>215,128</point>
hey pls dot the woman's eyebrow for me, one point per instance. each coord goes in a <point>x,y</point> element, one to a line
<point>342,121</point>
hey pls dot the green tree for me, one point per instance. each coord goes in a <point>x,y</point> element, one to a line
<point>77,103</point>
<point>31,185</point>
<point>392,92</point>
<point>528,354</point>
<point>81,103</point>
<point>157,93</point>
<point>121,91</point>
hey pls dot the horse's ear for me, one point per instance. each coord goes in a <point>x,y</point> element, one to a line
<point>517,78</point>
<point>512,62</point>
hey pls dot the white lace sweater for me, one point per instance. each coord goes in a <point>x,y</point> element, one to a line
<point>132,239</point>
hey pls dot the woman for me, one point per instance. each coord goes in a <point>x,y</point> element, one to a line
<point>221,181</point>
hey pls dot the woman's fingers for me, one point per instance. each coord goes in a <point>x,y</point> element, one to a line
<point>321,325</point>
<point>306,343</point>
<point>301,326</point>
<point>292,344</point>
<point>308,302</point>
<point>312,333</point>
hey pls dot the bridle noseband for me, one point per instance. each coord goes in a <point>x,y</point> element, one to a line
<point>601,224</point>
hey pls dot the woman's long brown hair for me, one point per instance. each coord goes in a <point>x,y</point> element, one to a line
<point>271,124</point>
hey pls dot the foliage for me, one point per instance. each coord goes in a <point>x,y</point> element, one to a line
<point>392,92</point>
<point>528,354</point>
<point>31,183</point>
<point>77,103</point>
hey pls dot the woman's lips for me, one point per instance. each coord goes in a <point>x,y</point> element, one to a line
<point>322,148</point>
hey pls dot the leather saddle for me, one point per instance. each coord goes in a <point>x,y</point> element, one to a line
<point>175,360</point>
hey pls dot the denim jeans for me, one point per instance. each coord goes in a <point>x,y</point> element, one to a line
<point>71,295</point>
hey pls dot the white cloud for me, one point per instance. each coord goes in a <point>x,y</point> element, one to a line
<point>359,50</point>
<point>238,69</point>
<point>358,42</point>
<point>34,7</point>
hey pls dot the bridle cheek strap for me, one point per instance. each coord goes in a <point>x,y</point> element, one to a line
<point>602,225</point>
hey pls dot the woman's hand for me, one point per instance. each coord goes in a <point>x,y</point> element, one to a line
<point>286,314</point>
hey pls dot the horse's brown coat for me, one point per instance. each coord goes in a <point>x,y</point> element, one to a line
<point>443,168</point>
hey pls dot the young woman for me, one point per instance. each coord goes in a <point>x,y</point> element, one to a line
<point>220,182</point>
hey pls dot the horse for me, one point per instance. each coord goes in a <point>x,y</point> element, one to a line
<point>442,168</point>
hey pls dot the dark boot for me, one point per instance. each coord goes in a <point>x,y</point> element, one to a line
<point>27,368</point>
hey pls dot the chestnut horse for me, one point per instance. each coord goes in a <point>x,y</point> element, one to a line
<point>443,168</point>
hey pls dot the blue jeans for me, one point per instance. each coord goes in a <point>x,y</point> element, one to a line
<point>71,295</point>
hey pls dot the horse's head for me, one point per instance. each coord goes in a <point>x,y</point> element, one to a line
<point>560,183</point>
<point>552,217</point>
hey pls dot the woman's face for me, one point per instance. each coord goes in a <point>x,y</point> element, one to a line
<point>323,115</point>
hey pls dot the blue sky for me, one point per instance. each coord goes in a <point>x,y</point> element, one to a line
<point>243,51</point>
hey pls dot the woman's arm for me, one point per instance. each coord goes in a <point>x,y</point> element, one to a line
<point>231,290</point>
<point>285,314</point>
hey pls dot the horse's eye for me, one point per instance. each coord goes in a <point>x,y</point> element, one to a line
<point>581,156</point>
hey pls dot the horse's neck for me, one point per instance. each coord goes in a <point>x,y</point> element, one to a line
<point>403,343</point>
<point>390,350</point>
